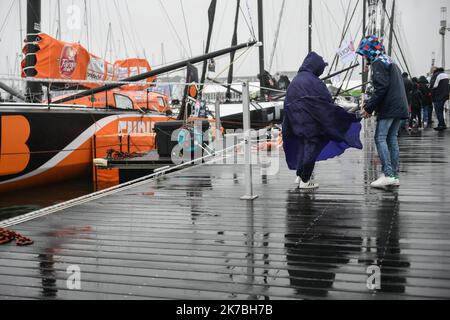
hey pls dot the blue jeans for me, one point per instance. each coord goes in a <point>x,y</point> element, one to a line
<point>439,108</point>
<point>386,139</point>
<point>427,114</point>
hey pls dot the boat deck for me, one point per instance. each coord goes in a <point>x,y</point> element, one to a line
<point>151,160</point>
<point>188,235</point>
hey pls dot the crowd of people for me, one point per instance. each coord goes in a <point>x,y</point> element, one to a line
<point>426,95</point>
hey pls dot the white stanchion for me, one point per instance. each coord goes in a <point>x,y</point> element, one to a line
<point>247,144</point>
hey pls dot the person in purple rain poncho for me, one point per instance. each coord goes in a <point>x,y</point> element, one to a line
<point>314,127</point>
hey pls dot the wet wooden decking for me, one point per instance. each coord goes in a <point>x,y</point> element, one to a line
<point>188,236</point>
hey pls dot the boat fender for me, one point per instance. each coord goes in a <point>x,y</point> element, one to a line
<point>100,162</point>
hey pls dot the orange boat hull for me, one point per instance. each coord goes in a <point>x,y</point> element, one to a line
<point>41,146</point>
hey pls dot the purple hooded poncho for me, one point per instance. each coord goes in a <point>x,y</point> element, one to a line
<point>311,116</point>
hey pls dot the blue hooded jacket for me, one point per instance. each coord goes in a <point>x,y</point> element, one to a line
<point>311,115</point>
<point>389,99</point>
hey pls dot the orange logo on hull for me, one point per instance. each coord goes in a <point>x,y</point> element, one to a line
<point>15,154</point>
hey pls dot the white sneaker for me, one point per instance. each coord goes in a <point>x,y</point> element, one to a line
<point>297,181</point>
<point>383,182</point>
<point>307,185</point>
<point>397,182</point>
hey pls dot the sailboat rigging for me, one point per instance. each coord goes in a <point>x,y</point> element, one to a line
<point>232,55</point>
<point>44,142</point>
<point>211,18</point>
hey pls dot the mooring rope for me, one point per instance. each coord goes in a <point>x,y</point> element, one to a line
<point>6,236</point>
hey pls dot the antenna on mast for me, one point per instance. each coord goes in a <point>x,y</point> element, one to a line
<point>443,31</point>
<point>310,22</point>
<point>261,48</point>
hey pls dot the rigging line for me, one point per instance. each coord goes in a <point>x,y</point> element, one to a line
<point>347,13</point>
<point>136,39</point>
<point>59,33</point>
<point>323,23</point>
<point>186,27</point>
<point>121,28</point>
<point>108,36</point>
<point>398,43</point>
<point>318,33</point>
<point>404,40</point>
<point>225,57</point>
<point>251,20</point>
<point>53,26</point>
<point>132,38</point>
<point>6,17</point>
<point>92,36</point>
<point>20,28</point>
<point>349,71</point>
<point>343,7</point>
<point>246,21</point>
<point>113,47</point>
<point>344,33</point>
<point>399,61</point>
<point>246,51</point>
<point>277,34</point>
<point>86,23</point>
<point>220,24</point>
<point>331,14</point>
<point>173,27</point>
<point>73,29</point>
<point>233,43</point>
<point>354,40</point>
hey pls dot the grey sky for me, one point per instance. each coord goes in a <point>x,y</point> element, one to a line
<point>142,26</point>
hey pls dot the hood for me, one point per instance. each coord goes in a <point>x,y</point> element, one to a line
<point>371,48</point>
<point>314,63</point>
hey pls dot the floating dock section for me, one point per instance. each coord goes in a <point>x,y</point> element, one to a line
<point>187,235</point>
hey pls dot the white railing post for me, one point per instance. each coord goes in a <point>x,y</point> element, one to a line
<point>247,144</point>
<point>219,140</point>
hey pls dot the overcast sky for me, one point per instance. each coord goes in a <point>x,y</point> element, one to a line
<point>143,27</point>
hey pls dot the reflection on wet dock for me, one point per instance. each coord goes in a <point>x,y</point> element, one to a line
<point>188,235</point>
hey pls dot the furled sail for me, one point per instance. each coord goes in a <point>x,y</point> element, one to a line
<point>71,61</point>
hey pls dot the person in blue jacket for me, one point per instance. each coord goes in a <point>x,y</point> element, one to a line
<point>390,104</point>
<point>314,127</point>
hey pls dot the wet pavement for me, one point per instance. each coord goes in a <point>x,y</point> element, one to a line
<point>188,236</point>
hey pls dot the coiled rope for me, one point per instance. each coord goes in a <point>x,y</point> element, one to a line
<point>6,236</point>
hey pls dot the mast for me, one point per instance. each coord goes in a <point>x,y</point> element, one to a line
<point>442,32</point>
<point>33,89</point>
<point>211,17</point>
<point>59,33</point>
<point>364,28</point>
<point>261,48</point>
<point>232,55</point>
<point>108,43</point>
<point>383,19</point>
<point>373,16</point>
<point>277,34</point>
<point>391,30</point>
<point>310,21</point>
